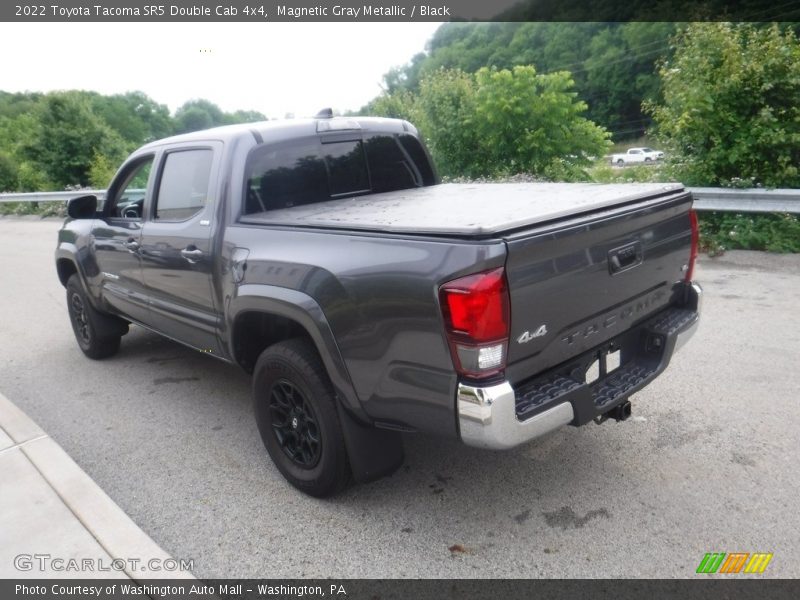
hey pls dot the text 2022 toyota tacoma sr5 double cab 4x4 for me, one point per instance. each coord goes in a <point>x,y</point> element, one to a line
<point>368,300</point>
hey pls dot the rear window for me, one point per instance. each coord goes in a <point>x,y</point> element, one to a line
<point>310,171</point>
<point>347,168</point>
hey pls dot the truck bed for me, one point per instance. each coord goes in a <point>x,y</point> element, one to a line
<point>480,209</point>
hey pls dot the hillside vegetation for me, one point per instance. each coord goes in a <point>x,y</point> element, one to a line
<point>491,100</point>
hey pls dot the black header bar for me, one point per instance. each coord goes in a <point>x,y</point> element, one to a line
<point>701,588</point>
<point>397,10</point>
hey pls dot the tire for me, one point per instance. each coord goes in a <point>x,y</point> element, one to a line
<point>648,159</point>
<point>296,413</point>
<point>620,163</point>
<point>98,335</point>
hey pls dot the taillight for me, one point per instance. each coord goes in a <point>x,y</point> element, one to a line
<point>477,316</point>
<point>695,244</point>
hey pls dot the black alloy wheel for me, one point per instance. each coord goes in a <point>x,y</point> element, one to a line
<point>77,311</point>
<point>295,424</point>
<point>297,417</point>
<point>98,334</point>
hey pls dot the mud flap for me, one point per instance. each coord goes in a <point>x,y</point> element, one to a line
<point>109,325</point>
<point>373,453</point>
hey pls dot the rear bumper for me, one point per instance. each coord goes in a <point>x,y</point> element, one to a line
<point>499,417</point>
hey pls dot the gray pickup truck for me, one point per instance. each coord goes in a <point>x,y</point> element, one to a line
<point>369,300</point>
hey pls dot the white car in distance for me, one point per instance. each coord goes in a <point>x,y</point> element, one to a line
<point>636,155</point>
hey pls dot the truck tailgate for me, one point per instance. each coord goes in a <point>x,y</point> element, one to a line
<point>578,283</point>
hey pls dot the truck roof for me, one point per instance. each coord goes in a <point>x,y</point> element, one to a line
<point>284,129</point>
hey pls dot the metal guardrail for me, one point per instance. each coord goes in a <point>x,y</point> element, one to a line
<point>705,199</point>
<point>746,200</point>
<point>50,196</point>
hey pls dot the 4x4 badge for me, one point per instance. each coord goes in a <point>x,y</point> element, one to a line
<point>528,336</point>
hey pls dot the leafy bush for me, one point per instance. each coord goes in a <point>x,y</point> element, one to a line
<point>101,171</point>
<point>731,107</point>
<point>445,110</point>
<point>499,122</point>
<point>752,231</point>
<point>66,138</point>
<point>49,141</point>
<point>8,172</point>
<point>533,123</point>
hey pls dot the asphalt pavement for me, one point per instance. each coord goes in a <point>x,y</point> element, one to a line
<point>707,463</point>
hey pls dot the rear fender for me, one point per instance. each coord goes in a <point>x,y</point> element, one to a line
<point>305,311</point>
<point>373,453</point>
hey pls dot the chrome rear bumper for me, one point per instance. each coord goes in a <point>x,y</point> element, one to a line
<point>487,415</point>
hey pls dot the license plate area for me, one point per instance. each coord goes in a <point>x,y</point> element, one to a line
<point>606,362</point>
<point>596,380</point>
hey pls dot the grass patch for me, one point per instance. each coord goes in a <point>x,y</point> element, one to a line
<point>603,172</point>
<point>42,209</point>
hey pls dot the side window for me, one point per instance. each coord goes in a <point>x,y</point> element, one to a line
<point>183,187</point>
<point>128,202</point>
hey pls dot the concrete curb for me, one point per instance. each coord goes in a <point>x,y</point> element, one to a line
<point>117,535</point>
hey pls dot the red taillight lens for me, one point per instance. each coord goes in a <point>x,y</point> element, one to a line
<point>477,316</point>
<point>477,306</point>
<point>695,244</point>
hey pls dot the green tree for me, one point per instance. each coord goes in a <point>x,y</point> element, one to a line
<point>193,119</point>
<point>731,105</point>
<point>48,141</point>
<point>66,137</point>
<point>244,116</point>
<point>101,171</point>
<point>397,105</point>
<point>445,109</point>
<point>9,173</point>
<point>134,115</point>
<point>195,115</point>
<point>14,105</point>
<point>613,65</point>
<point>526,122</point>
<point>501,122</point>
<point>20,174</point>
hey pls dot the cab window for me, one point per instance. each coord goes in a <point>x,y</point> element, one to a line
<point>183,185</point>
<point>128,201</point>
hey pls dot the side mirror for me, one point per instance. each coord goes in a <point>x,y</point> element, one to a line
<point>82,207</point>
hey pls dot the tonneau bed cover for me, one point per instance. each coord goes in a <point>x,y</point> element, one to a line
<point>478,209</point>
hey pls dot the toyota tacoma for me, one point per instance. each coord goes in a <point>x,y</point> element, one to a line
<point>368,300</point>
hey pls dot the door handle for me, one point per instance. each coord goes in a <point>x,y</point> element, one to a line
<point>192,254</point>
<point>625,257</point>
<point>132,245</point>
